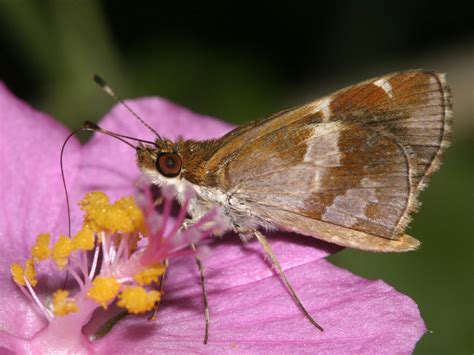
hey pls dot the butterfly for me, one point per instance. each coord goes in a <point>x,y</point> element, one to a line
<point>347,168</point>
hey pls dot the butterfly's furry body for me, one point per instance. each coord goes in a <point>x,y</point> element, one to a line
<point>233,214</point>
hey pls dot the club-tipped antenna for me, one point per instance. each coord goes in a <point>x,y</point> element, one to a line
<point>91,126</point>
<point>108,90</point>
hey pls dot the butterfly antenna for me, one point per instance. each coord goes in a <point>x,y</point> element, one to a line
<point>108,90</point>
<point>91,126</point>
<point>88,126</point>
<point>63,177</point>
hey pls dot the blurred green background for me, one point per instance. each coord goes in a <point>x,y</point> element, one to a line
<point>239,63</point>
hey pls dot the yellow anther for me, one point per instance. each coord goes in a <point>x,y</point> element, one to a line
<point>149,275</point>
<point>62,304</point>
<point>19,273</point>
<point>61,251</point>
<point>117,219</point>
<point>95,205</point>
<point>30,272</point>
<point>84,240</point>
<point>134,213</point>
<point>123,216</point>
<point>104,290</point>
<point>136,300</point>
<point>41,250</point>
<point>93,202</point>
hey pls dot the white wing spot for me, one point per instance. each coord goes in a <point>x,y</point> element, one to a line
<point>385,86</point>
<point>324,107</point>
<point>323,151</point>
<point>347,209</point>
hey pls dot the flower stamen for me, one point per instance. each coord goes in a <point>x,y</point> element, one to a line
<point>48,314</point>
<point>137,300</point>
<point>104,290</point>
<point>94,264</point>
<point>41,250</point>
<point>134,246</point>
<point>61,251</point>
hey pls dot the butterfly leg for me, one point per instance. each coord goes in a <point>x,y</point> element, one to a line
<point>204,294</point>
<point>156,203</point>
<point>268,250</point>
<point>152,316</point>
<point>186,224</point>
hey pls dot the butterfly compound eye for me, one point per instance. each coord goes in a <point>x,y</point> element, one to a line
<point>169,164</point>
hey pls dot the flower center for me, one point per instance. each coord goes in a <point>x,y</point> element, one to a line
<point>113,229</point>
<point>119,255</point>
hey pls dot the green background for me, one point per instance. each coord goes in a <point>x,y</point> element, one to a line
<point>242,62</point>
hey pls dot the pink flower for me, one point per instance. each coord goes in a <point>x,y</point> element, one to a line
<point>251,311</point>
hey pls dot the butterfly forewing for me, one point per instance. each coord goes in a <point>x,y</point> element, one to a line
<point>415,106</point>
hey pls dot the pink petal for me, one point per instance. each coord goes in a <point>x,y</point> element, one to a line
<point>31,189</point>
<point>232,263</point>
<point>359,316</point>
<point>31,195</point>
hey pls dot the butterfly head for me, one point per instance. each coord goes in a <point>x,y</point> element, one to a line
<point>162,162</point>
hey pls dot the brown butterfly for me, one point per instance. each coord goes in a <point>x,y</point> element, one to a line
<point>346,168</point>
